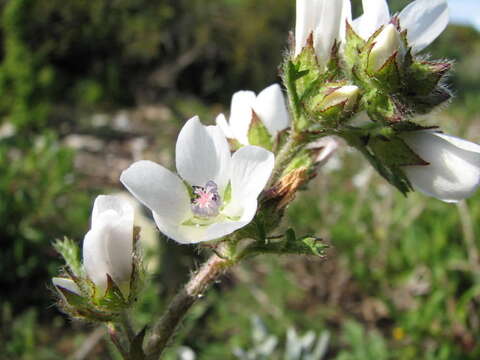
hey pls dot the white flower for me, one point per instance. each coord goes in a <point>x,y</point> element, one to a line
<point>325,20</point>
<point>424,20</point>
<point>269,105</point>
<point>108,246</point>
<point>218,193</point>
<point>453,172</point>
<point>67,284</point>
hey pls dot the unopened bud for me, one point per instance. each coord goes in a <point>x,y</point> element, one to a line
<point>344,95</point>
<point>386,44</point>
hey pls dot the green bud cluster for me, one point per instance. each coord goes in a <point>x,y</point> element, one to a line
<point>379,76</point>
<point>399,86</point>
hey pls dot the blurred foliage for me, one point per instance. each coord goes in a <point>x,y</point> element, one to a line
<point>109,53</point>
<point>39,203</point>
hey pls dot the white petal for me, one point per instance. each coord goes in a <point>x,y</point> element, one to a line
<point>251,169</point>
<point>271,109</point>
<point>159,189</point>
<point>201,153</point>
<point>327,28</point>
<point>222,123</point>
<point>459,142</point>
<point>305,22</point>
<point>241,114</point>
<point>189,234</point>
<point>375,14</point>
<point>116,203</point>
<point>224,158</point>
<point>387,43</point>
<point>107,249</point>
<point>454,171</point>
<point>345,16</point>
<point>68,284</point>
<point>119,246</point>
<point>95,256</point>
<point>424,21</point>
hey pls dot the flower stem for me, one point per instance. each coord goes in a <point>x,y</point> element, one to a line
<point>166,326</point>
<point>127,326</point>
<point>291,148</point>
<point>114,336</point>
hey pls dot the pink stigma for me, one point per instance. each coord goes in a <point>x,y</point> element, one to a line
<point>206,202</point>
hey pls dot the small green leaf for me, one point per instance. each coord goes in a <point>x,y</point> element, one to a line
<point>310,245</point>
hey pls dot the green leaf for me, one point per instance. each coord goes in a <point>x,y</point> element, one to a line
<point>258,134</point>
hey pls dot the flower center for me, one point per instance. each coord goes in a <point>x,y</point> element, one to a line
<point>206,202</point>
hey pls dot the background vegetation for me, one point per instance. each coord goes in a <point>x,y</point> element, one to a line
<point>87,87</point>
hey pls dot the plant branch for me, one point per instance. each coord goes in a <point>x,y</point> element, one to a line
<point>127,326</point>
<point>166,326</point>
<point>113,332</point>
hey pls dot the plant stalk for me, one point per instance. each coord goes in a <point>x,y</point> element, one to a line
<point>166,326</point>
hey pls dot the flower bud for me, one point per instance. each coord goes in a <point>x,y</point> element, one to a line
<point>108,246</point>
<point>347,96</point>
<point>453,170</point>
<point>385,45</point>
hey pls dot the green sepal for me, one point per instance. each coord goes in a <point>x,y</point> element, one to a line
<point>113,298</point>
<point>258,134</point>
<point>424,77</point>
<point>388,77</point>
<point>72,298</point>
<point>136,348</point>
<point>234,144</point>
<point>353,47</point>
<point>70,253</point>
<point>137,279</point>
<point>394,152</point>
<point>380,107</point>
<point>307,69</point>
<point>387,169</point>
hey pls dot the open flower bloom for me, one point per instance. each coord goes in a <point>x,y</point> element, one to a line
<point>269,106</point>
<point>325,20</point>
<point>216,193</point>
<point>108,246</point>
<point>424,21</point>
<point>453,172</point>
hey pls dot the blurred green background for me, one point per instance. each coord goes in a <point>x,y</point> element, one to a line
<point>87,87</point>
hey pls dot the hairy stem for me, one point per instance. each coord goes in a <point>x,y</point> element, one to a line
<point>166,326</point>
